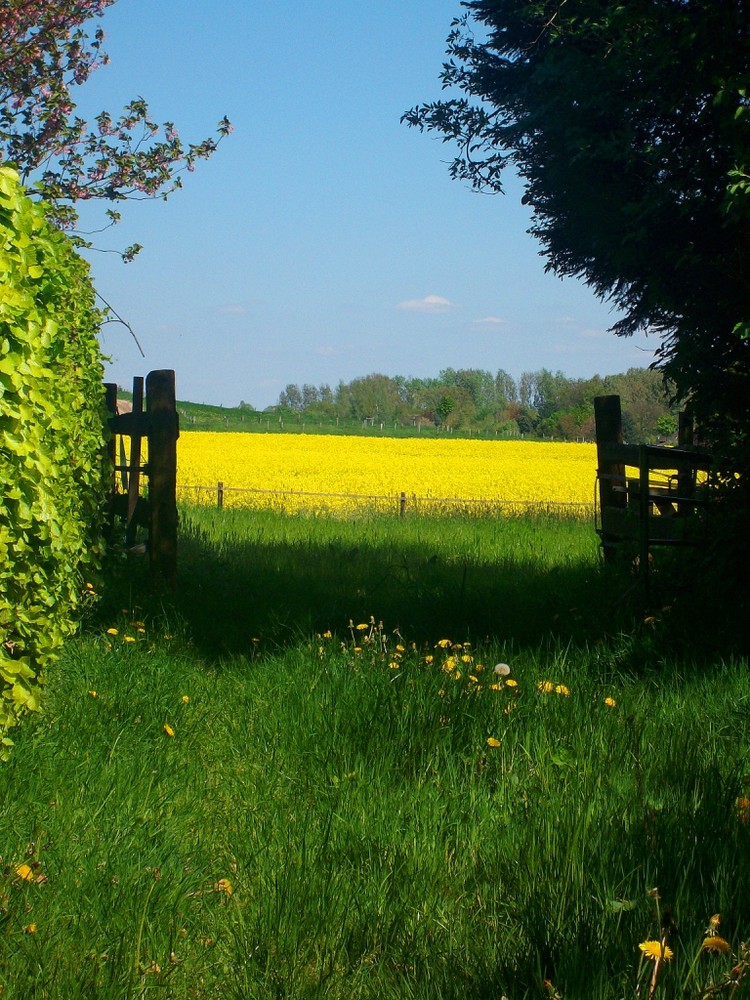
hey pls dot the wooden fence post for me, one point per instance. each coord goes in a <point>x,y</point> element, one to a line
<point>162,468</point>
<point>220,495</point>
<point>402,505</point>
<point>644,514</point>
<point>612,493</point>
<point>134,472</point>
<point>685,475</point>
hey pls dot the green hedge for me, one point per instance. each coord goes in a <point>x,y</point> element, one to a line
<point>51,441</point>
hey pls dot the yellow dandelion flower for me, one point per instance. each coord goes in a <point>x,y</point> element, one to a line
<point>30,928</point>
<point>362,627</point>
<point>457,675</point>
<point>561,689</point>
<point>656,951</point>
<point>429,659</point>
<point>185,699</point>
<point>25,872</point>
<point>128,638</point>
<point>400,648</point>
<point>92,694</point>
<point>473,679</point>
<point>444,643</point>
<point>466,658</point>
<point>716,944</point>
<point>492,742</point>
<point>450,664</point>
<point>112,631</point>
<point>168,729</point>
<point>610,702</point>
<point>328,634</point>
<point>478,668</point>
<point>357,649</point>
<point>511,683</point>
<point>545,686</point>
<point>496,687</point>
<point>225,886</point>
<point>394,664</point>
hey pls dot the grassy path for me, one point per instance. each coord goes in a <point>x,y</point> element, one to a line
<point>375,812</point>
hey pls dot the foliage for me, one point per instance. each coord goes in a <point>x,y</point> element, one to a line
<point>542,403</point>
<point>629,124</point>
<point>47,51</point>
<point>51,436</point>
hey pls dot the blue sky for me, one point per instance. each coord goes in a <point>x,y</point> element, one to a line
<point>324,240</point>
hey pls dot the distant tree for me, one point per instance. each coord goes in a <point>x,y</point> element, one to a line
<point>666,425</point>
<point>291,397</point>
<point>376,397</point>
<point>310,396</point>
<point>541,391</point>
<point>445,407</point>
<point>478,385</point>
<point>47,51</point>
<point>326,394</point>
<point>506,390</point>
<point>630,125</point>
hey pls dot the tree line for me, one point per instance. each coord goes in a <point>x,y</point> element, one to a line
<point>539,404</point>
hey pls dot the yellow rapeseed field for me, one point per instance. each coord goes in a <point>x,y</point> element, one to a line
<point>342,474</point>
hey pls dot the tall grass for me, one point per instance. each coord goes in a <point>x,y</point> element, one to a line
<point>253,799</point>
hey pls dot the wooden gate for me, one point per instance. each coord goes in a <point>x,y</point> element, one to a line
<point>656,503</point>
<point>131,508</point>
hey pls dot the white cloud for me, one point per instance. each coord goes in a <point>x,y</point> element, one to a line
<point>490,321</point>
<point>430,304</point>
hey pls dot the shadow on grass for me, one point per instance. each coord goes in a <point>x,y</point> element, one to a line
<point>514,582</point>
<point>532,583</point>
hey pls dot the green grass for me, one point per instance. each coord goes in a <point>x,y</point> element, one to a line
<point>376,845</point>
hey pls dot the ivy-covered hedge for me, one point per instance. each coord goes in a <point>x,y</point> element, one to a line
<point>51,441</point>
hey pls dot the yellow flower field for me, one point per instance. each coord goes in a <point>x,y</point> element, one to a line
<point>344,474</point>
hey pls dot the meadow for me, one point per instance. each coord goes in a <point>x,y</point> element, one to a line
<point>382,758</point>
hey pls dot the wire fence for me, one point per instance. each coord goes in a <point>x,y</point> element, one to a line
<point>401,504</point>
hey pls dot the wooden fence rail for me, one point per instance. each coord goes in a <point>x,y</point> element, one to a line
<point>402,501</point>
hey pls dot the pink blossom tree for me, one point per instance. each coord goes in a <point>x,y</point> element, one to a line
<point>47,48</point>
